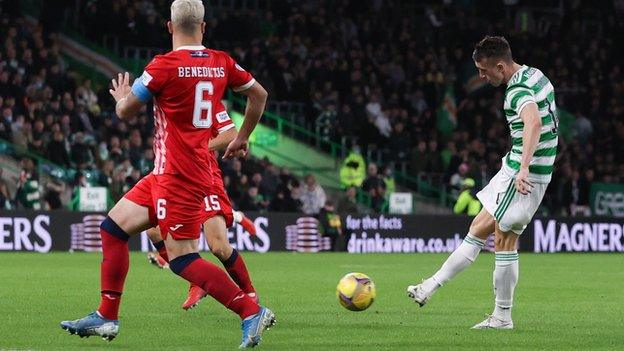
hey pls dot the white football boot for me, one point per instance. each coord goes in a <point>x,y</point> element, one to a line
<point>419,294</point>
<point>492,322</point>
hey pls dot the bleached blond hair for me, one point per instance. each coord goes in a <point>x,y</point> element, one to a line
<point>187,14</point>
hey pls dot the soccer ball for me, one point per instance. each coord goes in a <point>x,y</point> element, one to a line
<point>356,291</point>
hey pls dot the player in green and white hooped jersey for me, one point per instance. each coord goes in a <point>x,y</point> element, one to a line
<point>514,194</point>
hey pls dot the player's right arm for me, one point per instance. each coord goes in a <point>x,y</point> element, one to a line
<point>131,99</point>
<point>128,104</point>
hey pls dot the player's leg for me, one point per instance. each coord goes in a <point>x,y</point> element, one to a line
<point>160,258</point>
<point>215,232</point>
<point>221,217</point>
<point>186,262</point>
<point>216,235</point>
<point>505,278</point>
<point>512,217</point>
<point>125,219</point>
<point>240,218</point>
<point>463,256</point>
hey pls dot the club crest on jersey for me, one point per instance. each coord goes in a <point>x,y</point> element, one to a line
<point>199,54</point>
<point>222,117</point>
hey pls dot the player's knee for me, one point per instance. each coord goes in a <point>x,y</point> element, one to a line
<point>220,250</point>
<point>505,241</point>
<point>498,242</point>
<point>109,226</point>
<point>479,231</point>
<point>482,227</point>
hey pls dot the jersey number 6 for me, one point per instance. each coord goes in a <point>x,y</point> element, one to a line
<point>203,92</point>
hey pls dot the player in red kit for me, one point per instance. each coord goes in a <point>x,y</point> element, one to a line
<point>187,85</point>
<point>223,131</point>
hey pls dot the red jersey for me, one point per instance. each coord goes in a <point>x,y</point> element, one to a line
<point>188,85</point>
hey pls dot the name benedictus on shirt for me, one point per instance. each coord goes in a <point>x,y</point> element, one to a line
<point>202,72</point>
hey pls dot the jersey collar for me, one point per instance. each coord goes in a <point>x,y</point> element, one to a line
<point>518,72</point>
<point>190,47</point>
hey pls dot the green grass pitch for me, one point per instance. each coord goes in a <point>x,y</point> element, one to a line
<point>563,301</point>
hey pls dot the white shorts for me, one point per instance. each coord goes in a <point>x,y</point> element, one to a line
<point>511,210</point>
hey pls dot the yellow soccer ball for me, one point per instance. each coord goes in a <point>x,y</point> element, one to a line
<point>356,291</point>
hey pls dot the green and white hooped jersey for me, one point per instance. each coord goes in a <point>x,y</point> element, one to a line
<point>528,85</point>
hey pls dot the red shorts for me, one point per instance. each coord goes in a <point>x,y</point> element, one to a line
<point>180,208</point>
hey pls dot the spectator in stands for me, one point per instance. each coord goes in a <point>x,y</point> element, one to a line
<point>283,201</point>
<point>28,194</point>
<point>256,179</point>
<point>135,149</point>
<point>105,178</point>
<point>20,130</point>
<point>312,196</point>
<point>389,182</point>
<point>348,202</point>
<point>330,224</point>
<point>379,200</point>
<point>375,186</point>
<point>576,190</point>
<point>399,144</point>
<point>457,179</point>
<point>327,123</point>
<point>133,178</point>
<point>85,96</point>
<point>378,84</point>
<point>6,131</point>
<point>57,149</point>
<point>252,201</point>
<point>39,138</point>
<point>146,162</point>
<point>434,158</point>
<point>467,202</point>
<point>270,181</point>
<point>418,163</point>
<point>118,185</point>
<point>5,196</point>
<point>54,189</point>
<point>115,152</point>
<point>373,181</point>
<point>287,179</point>
<point>81,155</point>
<point>353,169</point>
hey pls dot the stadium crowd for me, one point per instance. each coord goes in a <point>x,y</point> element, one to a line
<point>410,103</point>
<point>49,111</point>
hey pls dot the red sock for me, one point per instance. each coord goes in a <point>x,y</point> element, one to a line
<point>113,272</point>
<point>236,268</point>
<point>216,283</point>
<point>163,253</point>
<point>162,250</point>
<point>109,305</point>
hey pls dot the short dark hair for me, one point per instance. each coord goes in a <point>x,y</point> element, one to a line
<point>492,47</point>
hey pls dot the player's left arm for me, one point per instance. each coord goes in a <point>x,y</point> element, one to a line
<point>530,138</point>
<point>256,101</point>
<point>128,102</point>
<point>242,82</point>
<point>221,141</point>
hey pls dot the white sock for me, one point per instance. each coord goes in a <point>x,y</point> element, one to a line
<point>505,278</point>
<point>463,256</point>
<point>238,216</point>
